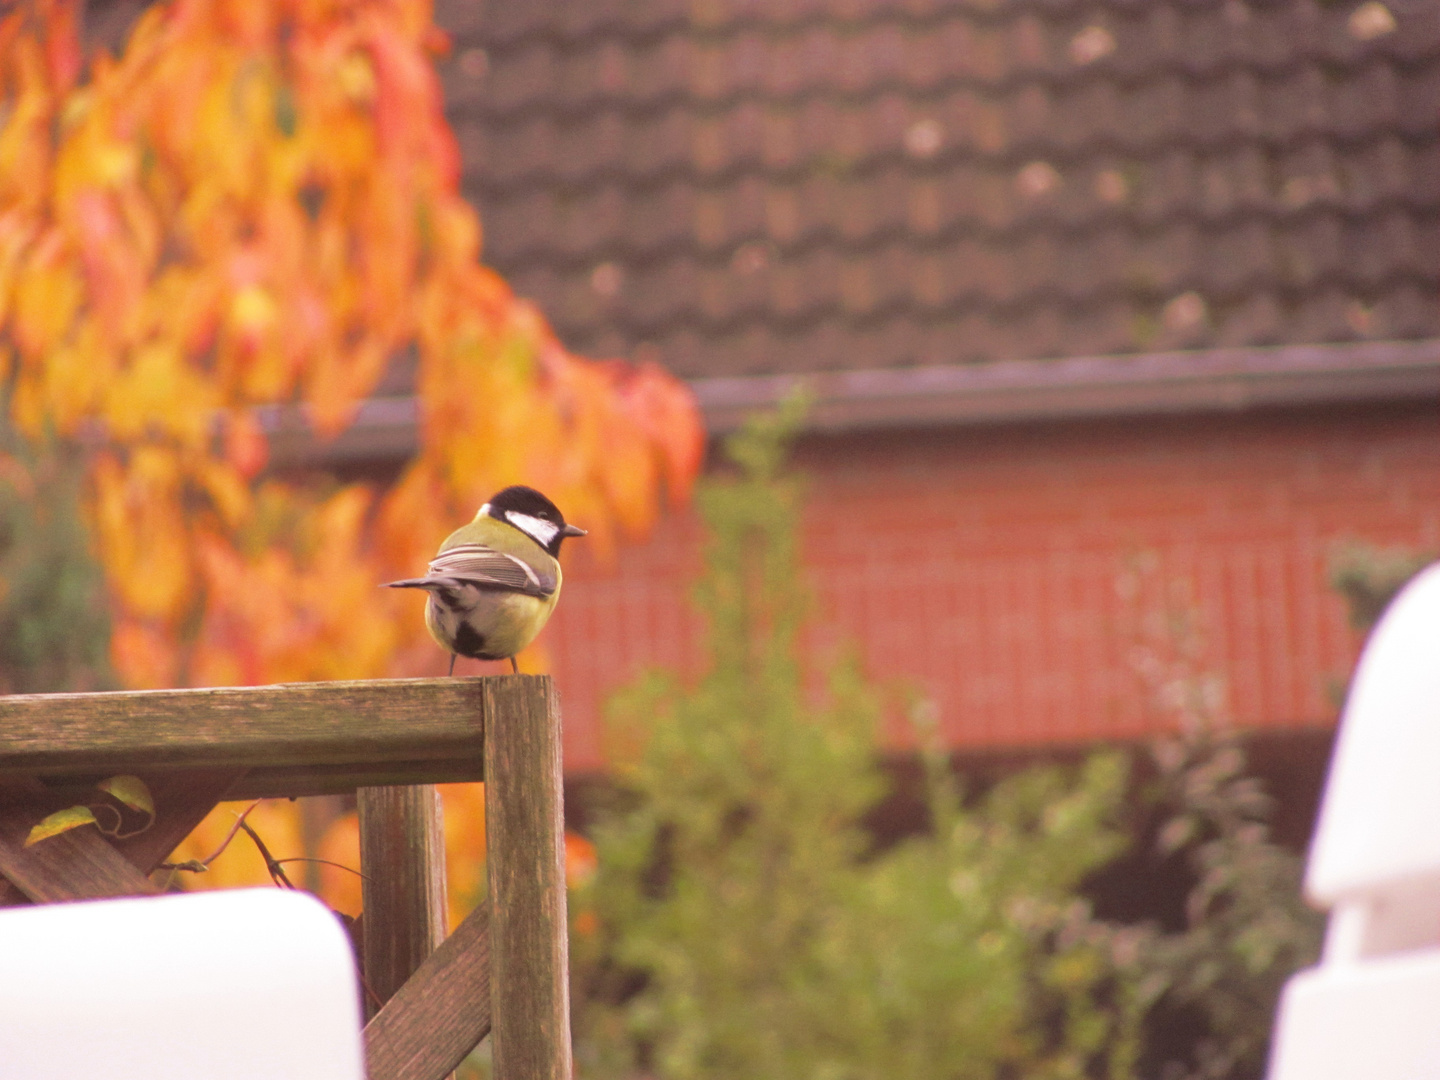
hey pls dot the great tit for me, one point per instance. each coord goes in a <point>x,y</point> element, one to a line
<point>494,582</point>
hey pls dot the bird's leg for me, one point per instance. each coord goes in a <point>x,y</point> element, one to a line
<point>452,664</point>
<point>514,667</point>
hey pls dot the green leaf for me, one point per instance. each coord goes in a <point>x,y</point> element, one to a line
<point>72,817</point>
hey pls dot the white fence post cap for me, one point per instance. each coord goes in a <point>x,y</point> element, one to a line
<point>231,985</point>
<point>1380,820</point>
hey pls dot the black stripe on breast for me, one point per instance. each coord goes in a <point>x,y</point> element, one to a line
<point>469,643</point>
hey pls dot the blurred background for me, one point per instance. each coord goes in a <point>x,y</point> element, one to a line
<point>1114,330</point>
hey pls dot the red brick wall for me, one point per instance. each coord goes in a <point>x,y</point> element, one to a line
<point>981,566</point>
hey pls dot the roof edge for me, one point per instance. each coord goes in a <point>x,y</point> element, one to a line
<point>996,392</point>
<point>1089,387</point>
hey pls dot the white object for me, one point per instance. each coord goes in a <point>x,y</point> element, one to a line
<point>1372,1007</point>
<point>247,984</point>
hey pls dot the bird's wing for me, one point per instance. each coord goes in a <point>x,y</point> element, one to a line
<point>490,569</point>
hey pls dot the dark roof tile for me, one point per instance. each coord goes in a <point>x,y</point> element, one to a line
<point>1148,41</point>
<point>1311,252</point>
<point>1325,315</point>
<point>763,186</point>
<point>1255,319</point>
<point>1407,311</point>
<point>1031,48</point>
<point>925,63</point>
<point>522,230</point>
<point>1035,256</point>
<point>1155,113</point>
<point>651,293</point>
<point>1164,186</point>
<point>660,71</point>
<point>1106,326</point>
<point>1423,175</point>
<point>1162,262</point>
<point>1308,178</point>
<point>1379,247</point>
<point>1417,102</point>
<point>1416,37</point>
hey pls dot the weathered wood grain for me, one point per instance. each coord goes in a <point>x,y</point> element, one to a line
<point>322,724</point>
<point>402,855</point>
<point>525,852</point>
<point>75,865</point>
<point>283,781</point>
<point>440,1014</point>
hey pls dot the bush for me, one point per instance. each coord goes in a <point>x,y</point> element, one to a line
<point>54,621</point>
<point>748,926</point>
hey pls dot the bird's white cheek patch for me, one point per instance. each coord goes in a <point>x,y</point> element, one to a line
<point>540,530</point>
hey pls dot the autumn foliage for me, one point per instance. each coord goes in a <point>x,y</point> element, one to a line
<point>257,203</point>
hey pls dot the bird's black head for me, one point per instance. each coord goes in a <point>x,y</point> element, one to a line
<point>533,514</point>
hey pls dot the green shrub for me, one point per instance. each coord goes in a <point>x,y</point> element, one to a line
<point>54,618</point>
<point>749,929</point>
<point>1368,577</point>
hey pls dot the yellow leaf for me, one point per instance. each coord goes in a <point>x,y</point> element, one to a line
<point>72,817</point>
<point>131,791</point>
<point>253,311</point>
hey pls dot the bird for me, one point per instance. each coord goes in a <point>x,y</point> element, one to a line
<point>494,582</point>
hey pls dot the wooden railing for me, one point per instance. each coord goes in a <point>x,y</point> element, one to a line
<point>503,971</point>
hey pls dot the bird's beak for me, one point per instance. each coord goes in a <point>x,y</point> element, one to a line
<point>572,530</point>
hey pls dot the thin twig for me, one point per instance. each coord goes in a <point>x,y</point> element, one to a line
<point>325,862</point>
<point>277,872</point>
<point>201,865</point>
<point>373,995</point>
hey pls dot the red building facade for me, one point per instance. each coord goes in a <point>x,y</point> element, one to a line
<point>987,568</point>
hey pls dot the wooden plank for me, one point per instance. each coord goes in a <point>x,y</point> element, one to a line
<point>440,1014</point>
<point>242,727</point>
<point>283,781</point>
<point>75,865</point>
<point>525,853</point>
<point>402,855</point>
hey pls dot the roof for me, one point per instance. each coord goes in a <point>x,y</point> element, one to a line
<point>755,188</point>
<point>962,395</point>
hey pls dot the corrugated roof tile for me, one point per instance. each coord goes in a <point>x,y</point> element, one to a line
<point>660,72</point>
<point>1255,319</point>
<point>1416,36</point>
<point>1417,102</point>
<point>1380,248</point>
<point>1155,113</point>
<point>1407,310</point>
<point>1164,261</point>
<point>522,151</point>
<point>522,228</point>
<point>1151,41</point>
<point>1165,185</point>
<point>1311,251</point>
<point>947,178</point>
<point>1423,175</point>
<point>924,64</point>
<point>1089,115</point>
<point>1238,257</point>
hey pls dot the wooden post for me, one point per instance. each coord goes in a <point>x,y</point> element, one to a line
<point>440,1015</point>
<point>402,856</point>
<point>525,857</point>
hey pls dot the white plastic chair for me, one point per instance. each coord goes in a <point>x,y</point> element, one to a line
<point>1371,1008</point>
<point>250,984</point>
